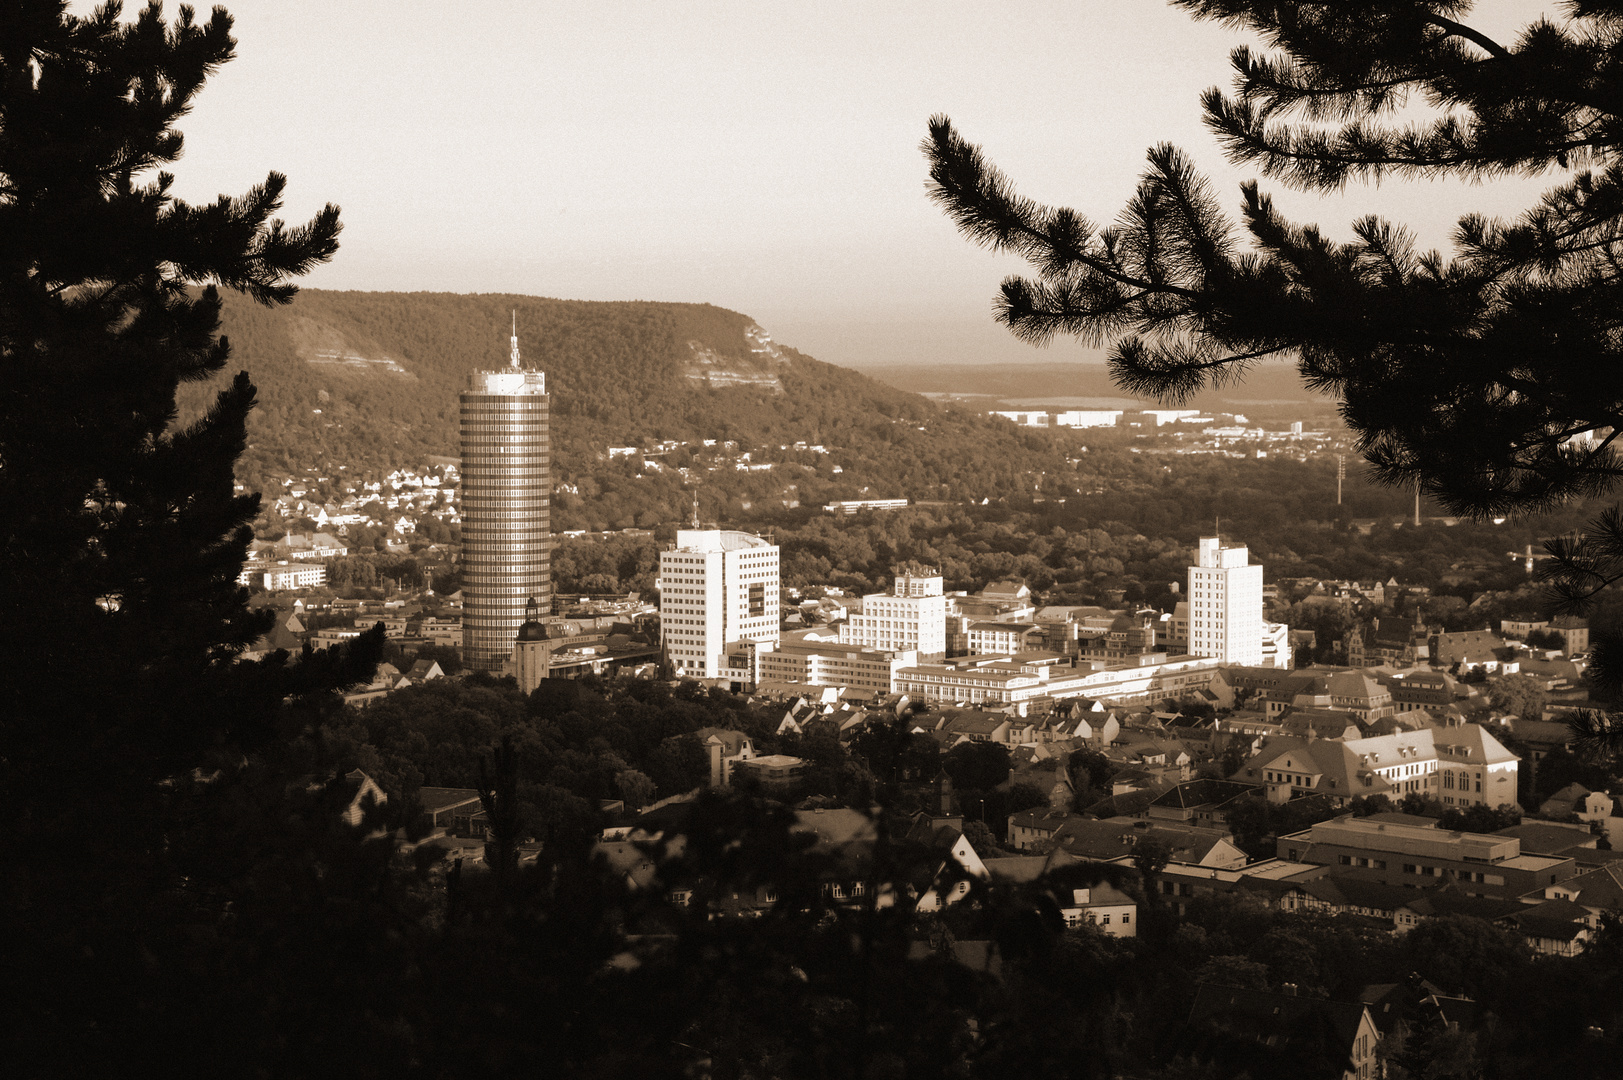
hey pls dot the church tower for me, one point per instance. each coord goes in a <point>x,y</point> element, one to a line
<point>532,650</point>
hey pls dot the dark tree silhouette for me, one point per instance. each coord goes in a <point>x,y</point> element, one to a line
<point>1492,379</point>
<point>120,535</point>
<point>123,710</point>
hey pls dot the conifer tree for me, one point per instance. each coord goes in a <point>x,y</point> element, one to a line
<point>120,534</point>
<point>121,539</point>
<point>1491,378</point>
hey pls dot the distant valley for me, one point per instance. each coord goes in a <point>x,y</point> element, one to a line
<point>1269,392</point>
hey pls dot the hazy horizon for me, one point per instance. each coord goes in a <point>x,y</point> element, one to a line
<point>761,157</point>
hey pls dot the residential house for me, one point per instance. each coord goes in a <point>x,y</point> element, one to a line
<point>974,725</point>
<point>956,863</point>
<point>1399,1007</point>
<point>1430,690</point>
<point>362,789</point>
<point>1030,829</point>
<point>726,749</point>
<point>1597,891</point>
<point>1575,628</point>
<point>1357,693</point>
<point>1555,927</point>
<point>1115,838</point>
<point>1202,803</point>
<point>1577,800</point>
<point>1389,641</point>
<point>1469,648</point>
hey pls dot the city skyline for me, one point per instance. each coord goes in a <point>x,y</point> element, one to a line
<point>760,158</point>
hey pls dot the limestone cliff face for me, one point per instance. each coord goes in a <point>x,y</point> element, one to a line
<point>323,345</point>
<point>761,369</point>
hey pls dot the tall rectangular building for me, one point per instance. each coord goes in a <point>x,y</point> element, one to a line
<point>716,586</point>
<point>1225,604</point>
<point>912,617</point>
<point>506,508</point>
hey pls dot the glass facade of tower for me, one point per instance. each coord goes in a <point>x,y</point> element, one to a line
<point>506,510</point>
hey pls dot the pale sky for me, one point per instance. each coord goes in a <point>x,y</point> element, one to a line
<point>761,156</point>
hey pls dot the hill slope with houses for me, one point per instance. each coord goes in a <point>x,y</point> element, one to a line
<point>370,380</point>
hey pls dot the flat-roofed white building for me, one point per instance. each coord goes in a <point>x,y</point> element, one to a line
<point>1024,417</point>
<point>716,587</point>
<point>911,617</point>
<point>283,575</point>
<point>1017,680</point>
<point>1225,604</point>
<point>813,661</point>
<point>1086,418</point>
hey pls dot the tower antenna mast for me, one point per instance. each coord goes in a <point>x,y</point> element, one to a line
<point>512,356</point>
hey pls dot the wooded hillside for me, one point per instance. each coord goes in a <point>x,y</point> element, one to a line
<point>371,379</point>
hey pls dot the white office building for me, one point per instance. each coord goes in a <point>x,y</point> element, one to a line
<point>911,617</point>
<point>1225,604</point>
<point>716,587</point>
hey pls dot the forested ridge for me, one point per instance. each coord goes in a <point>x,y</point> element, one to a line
<point>618,374</point>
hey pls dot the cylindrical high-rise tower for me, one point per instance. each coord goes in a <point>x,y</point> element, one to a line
<point>506,515</point>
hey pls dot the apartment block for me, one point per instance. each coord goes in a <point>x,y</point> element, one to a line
<point>716,587</point>
<point>1225,603</point>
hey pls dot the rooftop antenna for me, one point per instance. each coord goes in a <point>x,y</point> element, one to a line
<point>695,509</point>
<point>512,357</point>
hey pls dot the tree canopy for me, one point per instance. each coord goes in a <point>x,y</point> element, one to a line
<point>120,535</point>
<point>1490,378</point>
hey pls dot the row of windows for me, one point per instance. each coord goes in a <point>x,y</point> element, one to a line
<point>486,420</point>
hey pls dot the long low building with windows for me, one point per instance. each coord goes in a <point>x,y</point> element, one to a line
<point>807,658</point>
<point>1423,856</point>
<point>1002,681</point>
<point>1459,764</point>
<point>276,577</point>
